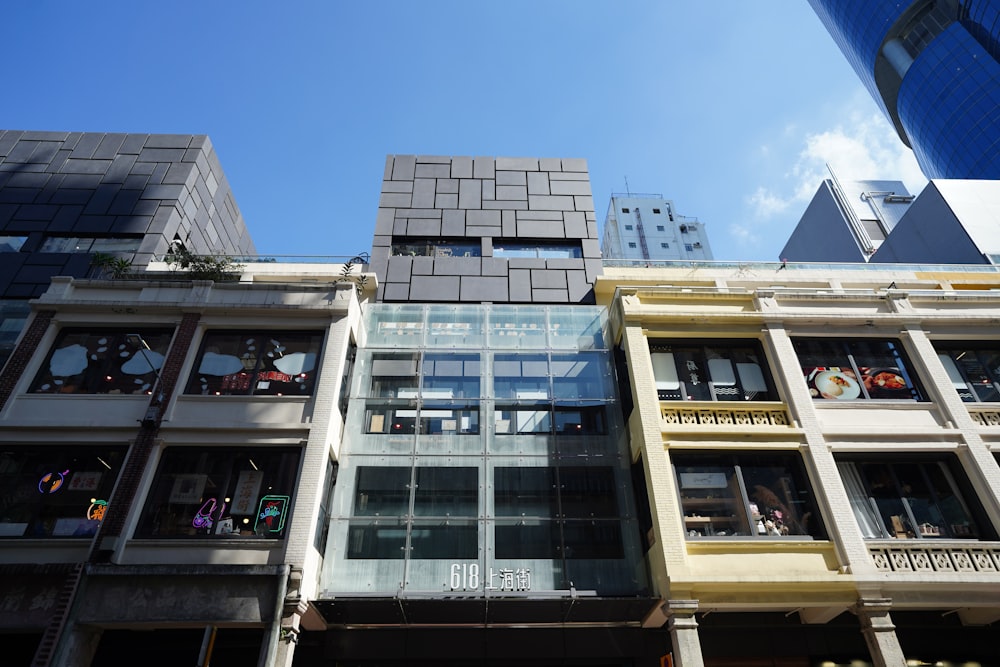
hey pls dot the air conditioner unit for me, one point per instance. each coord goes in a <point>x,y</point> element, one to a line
<point>697,245</point>
<point>684,229</point>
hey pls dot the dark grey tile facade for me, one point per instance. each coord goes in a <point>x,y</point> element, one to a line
<point>484,204</point>
<point>98,185</point>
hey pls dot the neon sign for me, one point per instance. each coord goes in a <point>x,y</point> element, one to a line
<point>271,514</point>
<point>203,518</point>
<point>97,509</point>
<point>52,482</point>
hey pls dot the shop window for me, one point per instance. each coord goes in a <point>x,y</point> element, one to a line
<point>912,498</point>
<point>103,361</point>
<point>722,371</point>
<point>745,495</point>
<point>210,492</point>
<point>974,370</point>
<point>59,492</point>
<point>839,369</point>
<point>259,363</point>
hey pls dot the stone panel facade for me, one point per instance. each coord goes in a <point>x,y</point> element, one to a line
<point>458,218</point>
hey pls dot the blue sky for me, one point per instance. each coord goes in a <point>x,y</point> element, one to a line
<point>729,108</point>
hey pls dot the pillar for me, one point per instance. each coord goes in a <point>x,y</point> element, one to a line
<point>684,633</point>
<point>879,632</point>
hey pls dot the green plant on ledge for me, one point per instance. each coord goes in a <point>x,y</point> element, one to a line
<point>204,267</point>
<point>360,280</point>
<point>110,265</point>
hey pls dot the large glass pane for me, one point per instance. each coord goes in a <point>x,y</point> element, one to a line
<point>394,374</point>
<point>528,539</point>
<point>87,361</point>
<point>523,420</point>
<point>382,540</point>
<point>973,372</point>
<point>271,363</point>
<point>56,491</point>
<point>584,376</point>
<point>454,327</point>
<point>711,498</point>
<point>839,369</point>
<point>592,539</point>
<point>202,492</point>
<point>446,491</point>
<point>517,327</point>
<point>525,492</point>
<point>588,491</point>
<point>584,420</point>
<point>448,419</point>
<point>722,371</point>
<point>452,539</point>
<point>382,491</point>
<point>398,325</point>
<point>451,376</point>
<point>779,498</point>
<point>577,328</point>
<point>523,377</point>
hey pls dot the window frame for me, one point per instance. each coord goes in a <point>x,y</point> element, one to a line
<point>764,514</point>
<point>968,389</point>
<point>859,380</point>
<point>180,477</point>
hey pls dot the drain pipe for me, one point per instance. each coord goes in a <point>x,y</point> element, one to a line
<point>269,647</point>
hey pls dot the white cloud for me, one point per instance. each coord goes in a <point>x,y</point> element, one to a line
<point>862,146</point>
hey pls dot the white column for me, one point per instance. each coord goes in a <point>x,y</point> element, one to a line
<point>879,632</point>
<point>684,633</point>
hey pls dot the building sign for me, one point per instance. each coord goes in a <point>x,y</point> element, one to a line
<point>467,576</point>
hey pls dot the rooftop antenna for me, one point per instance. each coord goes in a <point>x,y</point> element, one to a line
<point>627,191</point>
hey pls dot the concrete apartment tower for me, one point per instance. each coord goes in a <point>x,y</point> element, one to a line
<point>646,227</point>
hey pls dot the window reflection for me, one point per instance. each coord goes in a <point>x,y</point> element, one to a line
<point>974,371</point>
<point>837,369</point>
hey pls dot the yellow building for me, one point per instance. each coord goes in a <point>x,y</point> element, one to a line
<point>819,446</point>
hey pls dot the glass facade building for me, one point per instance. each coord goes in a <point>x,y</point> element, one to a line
<point>484,456</point>
<point>932,65</point>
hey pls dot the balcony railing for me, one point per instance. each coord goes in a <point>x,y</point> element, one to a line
<point>716,414</point>
<point>923,556</point>
<point>985,416</point>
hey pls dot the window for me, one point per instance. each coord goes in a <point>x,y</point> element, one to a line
<point>974,370</point>
<point>664,245</point>
<point>656,211</point>
<point>628,228</point>
<point>625,210</point>
<point>916,497</point>
<point>436,247</point>
<point>88,361</point>
<point>56,491</point>
<point>660,228</point>
<point>536,249</point>
<point>12,243</point>
<point>723,371</point>
<point>689,247</point>
<point>261,363</point>
<point>557,512</point>
<point>83,244</point>
<point>837,369</point>
<point>631,245</point>
<point>13,316</point>
<point>748,495</point>
<point>442,525</point>
<point>207,492</point>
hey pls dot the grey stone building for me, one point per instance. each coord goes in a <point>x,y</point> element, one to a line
<point>67,195</point>
<point>473,230</point>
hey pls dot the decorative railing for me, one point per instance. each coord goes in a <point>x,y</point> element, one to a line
<point>724,414</point>
<point>985,416</point>
<point>924,558</point>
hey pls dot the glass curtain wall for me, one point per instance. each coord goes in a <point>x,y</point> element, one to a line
<point>483,455</point>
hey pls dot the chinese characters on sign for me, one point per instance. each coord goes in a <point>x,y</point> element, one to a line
<point>466,576</point>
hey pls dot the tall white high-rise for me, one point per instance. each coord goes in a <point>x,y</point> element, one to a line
<point>646,226</point>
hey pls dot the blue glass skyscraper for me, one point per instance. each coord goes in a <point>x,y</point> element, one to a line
<point>934,68</point>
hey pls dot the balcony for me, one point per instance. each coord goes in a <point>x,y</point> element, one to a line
<point>699,416</point>
<point>929,556</point>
